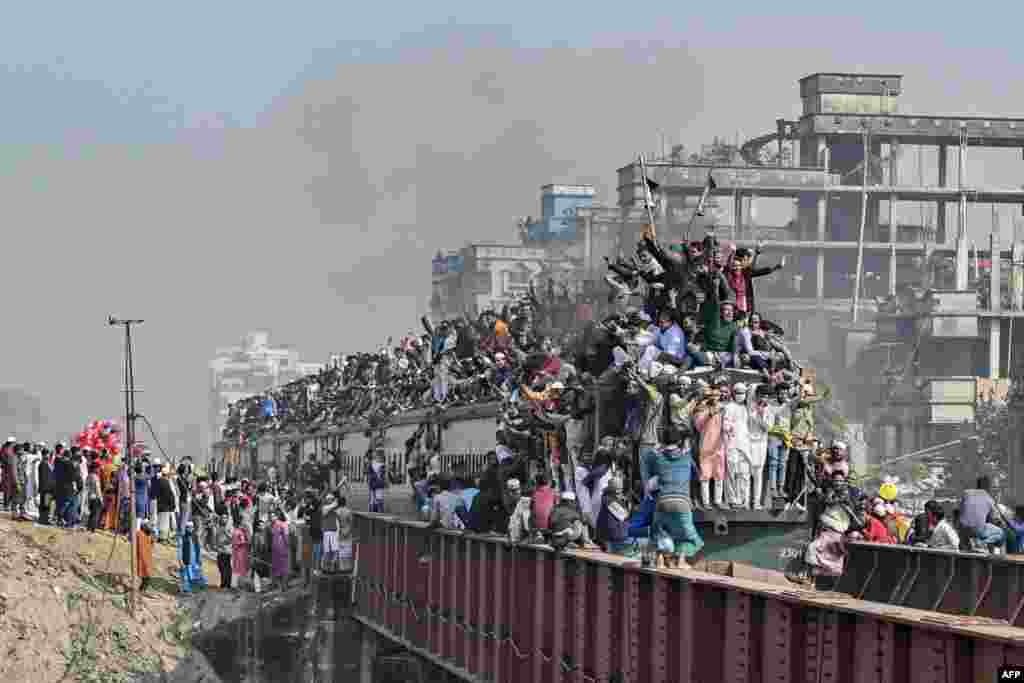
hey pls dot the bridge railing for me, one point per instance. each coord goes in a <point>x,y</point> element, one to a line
<point>496,612</point>
<point>469,465</point>
<point>965,584</point>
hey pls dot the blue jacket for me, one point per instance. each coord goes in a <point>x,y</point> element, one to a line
<point>673,341</point>
<point>141,496</point>
<point>674,469</point>
<point>269,407</point>
<point>640,520</point>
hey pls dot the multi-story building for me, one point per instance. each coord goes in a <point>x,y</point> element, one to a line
<point>847,170</point>
<point>251,367</point>
<point>853,189</point>
<point>489,275</point>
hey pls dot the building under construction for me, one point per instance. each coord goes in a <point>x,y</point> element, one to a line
<point>878,202</point>
<point>841,203</point>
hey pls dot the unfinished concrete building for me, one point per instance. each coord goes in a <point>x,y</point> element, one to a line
<point>913,380</point>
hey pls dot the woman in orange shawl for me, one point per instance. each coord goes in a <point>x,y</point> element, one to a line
<point>109,487</point>
<point>144,554</point>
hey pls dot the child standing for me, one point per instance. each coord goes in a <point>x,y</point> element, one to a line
<point>239,552</point>
<point>222,546</point>
<point>94,496</point>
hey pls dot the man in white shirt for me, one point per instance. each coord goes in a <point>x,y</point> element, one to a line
<point>944,535</point>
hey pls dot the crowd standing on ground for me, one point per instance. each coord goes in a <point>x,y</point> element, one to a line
<point>262,535</point>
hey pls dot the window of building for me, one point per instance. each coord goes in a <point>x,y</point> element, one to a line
<point>519,276</point>
<point>844,103</point>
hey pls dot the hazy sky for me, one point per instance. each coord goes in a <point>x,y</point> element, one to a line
<point>218,167</point>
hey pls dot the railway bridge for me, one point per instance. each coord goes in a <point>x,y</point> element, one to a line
<point>484,610</point>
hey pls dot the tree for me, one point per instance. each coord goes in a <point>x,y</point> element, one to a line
<point>995,425</point>
<point>986,456</point>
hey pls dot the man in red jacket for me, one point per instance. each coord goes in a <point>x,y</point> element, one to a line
<point>543,499</point>
<point>874,528</point>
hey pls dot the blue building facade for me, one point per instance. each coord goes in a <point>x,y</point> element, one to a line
<point>558,205</point>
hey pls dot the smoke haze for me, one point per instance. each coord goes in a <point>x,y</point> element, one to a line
<point>312,211</point>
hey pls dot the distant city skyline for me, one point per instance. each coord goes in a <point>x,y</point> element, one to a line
<point>254,365</point>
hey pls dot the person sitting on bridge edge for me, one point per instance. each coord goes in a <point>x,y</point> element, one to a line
<point>445,505</point>
<point>978,511</point>
<point>567,526</point>
<point>613,521</point>
<point>874,530</point>
<point>493,506</point>
<point>933,530</point>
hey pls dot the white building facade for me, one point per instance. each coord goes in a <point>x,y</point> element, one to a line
<point>251,367</point>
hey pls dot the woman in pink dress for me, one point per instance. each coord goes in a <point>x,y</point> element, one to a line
<point>239,552</point>
<point>280,550</point>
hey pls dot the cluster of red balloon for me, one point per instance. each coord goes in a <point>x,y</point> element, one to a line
<point>99,436</point>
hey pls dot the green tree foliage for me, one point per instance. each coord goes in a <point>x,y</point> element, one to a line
<point>996,425</point>
<point>986,456</point>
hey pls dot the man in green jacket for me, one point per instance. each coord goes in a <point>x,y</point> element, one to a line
<point>719,328</point>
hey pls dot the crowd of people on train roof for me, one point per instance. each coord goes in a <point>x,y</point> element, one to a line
<point>682,397</point>
<point>464,361</point>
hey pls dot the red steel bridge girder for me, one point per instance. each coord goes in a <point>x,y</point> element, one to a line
<point>984,588</point>
<point>494,612</point>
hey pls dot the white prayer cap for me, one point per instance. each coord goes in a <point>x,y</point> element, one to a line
<point>568,495</point>
<point>11,439</point>
<point>739,388</point>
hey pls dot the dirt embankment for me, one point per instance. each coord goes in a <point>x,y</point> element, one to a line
<point>64,614</point>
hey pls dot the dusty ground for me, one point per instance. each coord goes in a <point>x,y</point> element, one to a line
<point>63,613</point>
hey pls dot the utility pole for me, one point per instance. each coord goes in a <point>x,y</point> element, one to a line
<point>129,426</point>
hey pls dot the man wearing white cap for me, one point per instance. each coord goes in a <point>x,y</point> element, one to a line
<point>736,430</point>
<point>566,525</point>
<point>760,421</point>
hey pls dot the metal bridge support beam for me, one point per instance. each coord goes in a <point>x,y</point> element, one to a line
<point>822,229</point>
<point>940,215</point>
<point>995,304</point>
